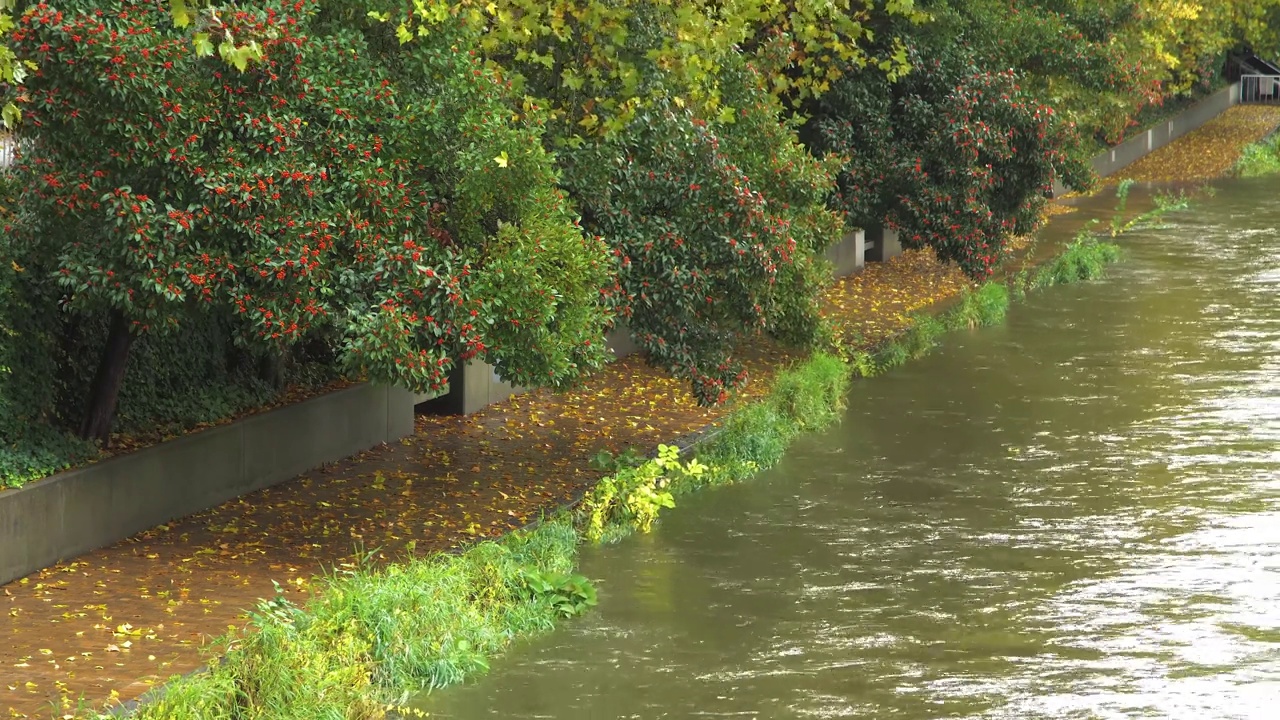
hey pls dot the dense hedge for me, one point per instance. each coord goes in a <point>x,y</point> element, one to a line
<point>954,156</point>
<point>216,200</point>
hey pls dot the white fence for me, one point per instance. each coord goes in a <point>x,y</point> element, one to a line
<point>1260,89</point>
<point>8,145</point>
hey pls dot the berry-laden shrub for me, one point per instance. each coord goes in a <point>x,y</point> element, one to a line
<point>760,136</point>
<point>338,186</point>
<point>696,252</point>
<point>30,445</point>
<point>714,212</point>
<point>704,256</point>
<point>953,156</point>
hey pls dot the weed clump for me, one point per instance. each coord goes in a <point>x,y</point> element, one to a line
<point>1259,159</point>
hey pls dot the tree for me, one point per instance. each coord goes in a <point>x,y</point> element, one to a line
<point>954,156</point>
<point>338,186</point>
<point>670,145</point>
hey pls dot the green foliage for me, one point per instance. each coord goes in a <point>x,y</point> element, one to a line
<point>342,185</point>
<point>334,191</point>
<point>955,156</point>
<point>569,595</point>
<point>986,306</point>
<point>31,446</point>
<point>1085,59</point>
<point>805,398</point>
<point>634,495</point>
<point>173,382</point>
<point>811,396</point>
<point>593,64</point>
<point>1260,159</point>
<point>1163,204</point>
<point>1085,258</point>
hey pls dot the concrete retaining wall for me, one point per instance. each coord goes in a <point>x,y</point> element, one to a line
<point>80,510</point>
<point>848,255</point>
<point>1154,138</point>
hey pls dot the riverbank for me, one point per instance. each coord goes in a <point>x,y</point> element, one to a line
<point>144,607</point>
<point>373,633</point>
<point>117,621</point>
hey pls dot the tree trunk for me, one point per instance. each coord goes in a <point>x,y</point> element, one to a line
<point>271,369</point>
<point>69,402</point>
<point>105,390</point>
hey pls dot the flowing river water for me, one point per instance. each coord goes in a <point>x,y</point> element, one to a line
<point>1073,515</point>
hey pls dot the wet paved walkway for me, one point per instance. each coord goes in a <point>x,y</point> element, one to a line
<point>114,622</point>
<point>1208,152</point>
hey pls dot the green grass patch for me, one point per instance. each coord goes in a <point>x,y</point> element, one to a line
<point>373,635</point>
<point>1086,258</point>
<point>806,398</point>
<point>1259,159</point>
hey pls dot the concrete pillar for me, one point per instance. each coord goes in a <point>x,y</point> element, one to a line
<point>882,244</point>
<point>400,406</point>
<point>619,341</point>
<point>848,254</point>
<point>472,388</point>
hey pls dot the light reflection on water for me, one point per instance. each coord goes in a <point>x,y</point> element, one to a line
<point>1076,515</point>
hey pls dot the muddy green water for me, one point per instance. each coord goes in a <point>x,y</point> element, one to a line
<point>1075,515</point>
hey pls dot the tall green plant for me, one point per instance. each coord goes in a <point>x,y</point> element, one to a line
<point>1259,159</point>
<point>955,156</point>
<point>339,187</point>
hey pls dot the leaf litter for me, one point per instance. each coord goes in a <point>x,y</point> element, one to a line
<point>1206,153</point>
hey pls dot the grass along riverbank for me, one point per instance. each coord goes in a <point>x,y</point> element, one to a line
<point>1259,159</point>
<point>372,635</point>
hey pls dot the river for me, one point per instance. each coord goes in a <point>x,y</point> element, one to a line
<point>1073,515</point>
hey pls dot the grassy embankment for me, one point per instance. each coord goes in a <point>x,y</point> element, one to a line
<point>373,635</point>
<point>1259,159</point>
